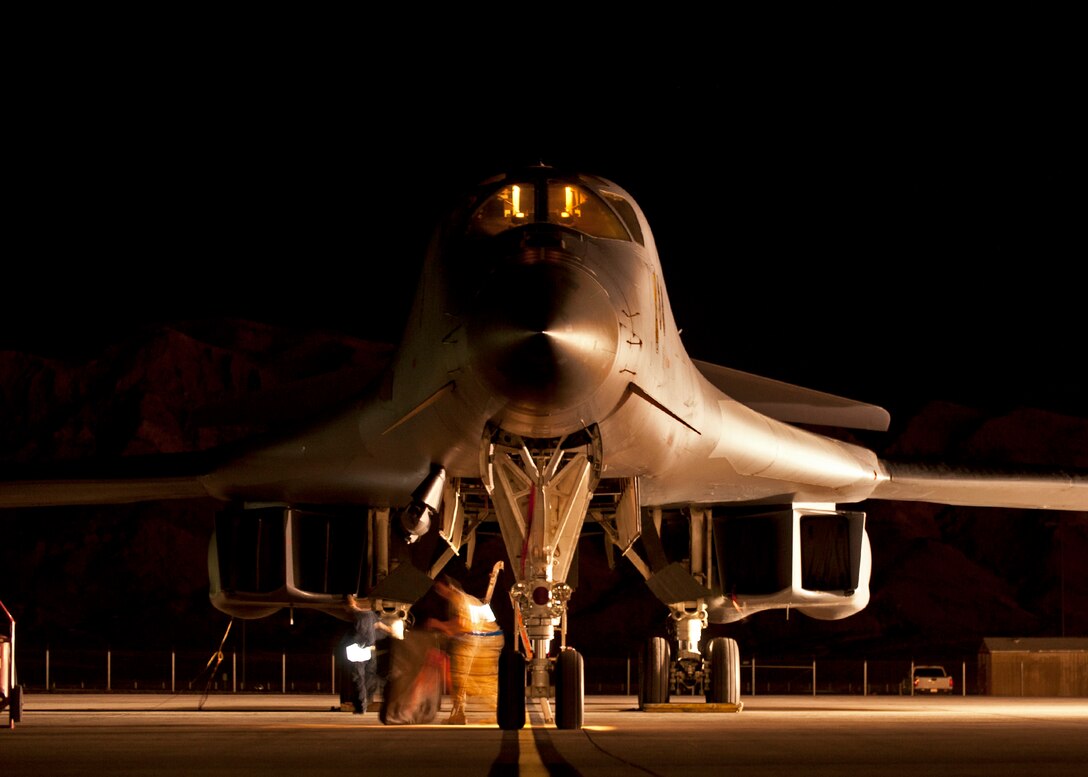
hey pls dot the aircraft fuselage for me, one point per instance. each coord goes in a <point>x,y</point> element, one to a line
<point>543,330</point>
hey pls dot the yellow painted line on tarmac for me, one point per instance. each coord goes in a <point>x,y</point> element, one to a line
<point>529,761</point>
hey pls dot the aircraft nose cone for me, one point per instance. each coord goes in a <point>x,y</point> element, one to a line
<point>545,335</point>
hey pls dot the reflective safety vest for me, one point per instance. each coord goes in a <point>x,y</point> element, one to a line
<point>357,653</point>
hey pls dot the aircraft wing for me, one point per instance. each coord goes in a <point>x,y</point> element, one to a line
<point>794,404</point>
<point>978,487</point>
<point>300,381</point>
<point>128,480</point>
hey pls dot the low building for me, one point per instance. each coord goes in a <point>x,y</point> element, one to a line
<point>1030,666</point>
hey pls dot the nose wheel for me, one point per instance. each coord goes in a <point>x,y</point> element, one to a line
<point>569,689</point>
<point>568,676</point>
<point>511,701</point>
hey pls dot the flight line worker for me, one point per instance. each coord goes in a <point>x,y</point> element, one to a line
<point>368,629</point>
<point>475,643</point>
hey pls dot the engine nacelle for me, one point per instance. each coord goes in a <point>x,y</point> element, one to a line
<point>814,560</point>
<point>263,559</point>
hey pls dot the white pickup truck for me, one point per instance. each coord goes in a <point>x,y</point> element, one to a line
<point>931,679</point>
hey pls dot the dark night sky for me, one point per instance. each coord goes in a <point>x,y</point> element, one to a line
<point>892,234</point>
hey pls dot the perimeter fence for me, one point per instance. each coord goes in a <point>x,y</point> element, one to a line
<point>253,671</point>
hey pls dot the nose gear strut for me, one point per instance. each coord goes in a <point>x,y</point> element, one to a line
<point>541,490</point>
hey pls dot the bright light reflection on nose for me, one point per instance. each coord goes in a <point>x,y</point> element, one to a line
<point>579,340</point>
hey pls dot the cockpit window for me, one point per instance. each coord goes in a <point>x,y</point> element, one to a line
<point>509,207</point>
<point>559,202</point>
<point>581,209</point>
<point>627,213</point>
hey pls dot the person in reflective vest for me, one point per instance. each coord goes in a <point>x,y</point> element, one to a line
<point>361,654</point>
<point>475,641</point>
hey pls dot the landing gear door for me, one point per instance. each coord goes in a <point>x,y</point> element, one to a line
<point>453,517</point>
<point>628,517</point>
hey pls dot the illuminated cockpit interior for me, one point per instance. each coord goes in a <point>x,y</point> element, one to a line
<point>557,202</point>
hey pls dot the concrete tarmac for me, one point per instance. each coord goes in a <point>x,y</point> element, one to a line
<point>269,734</point>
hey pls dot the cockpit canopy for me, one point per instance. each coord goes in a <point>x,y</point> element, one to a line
<point>600,213</point>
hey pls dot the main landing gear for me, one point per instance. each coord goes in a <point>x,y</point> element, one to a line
<point>718,673</point>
